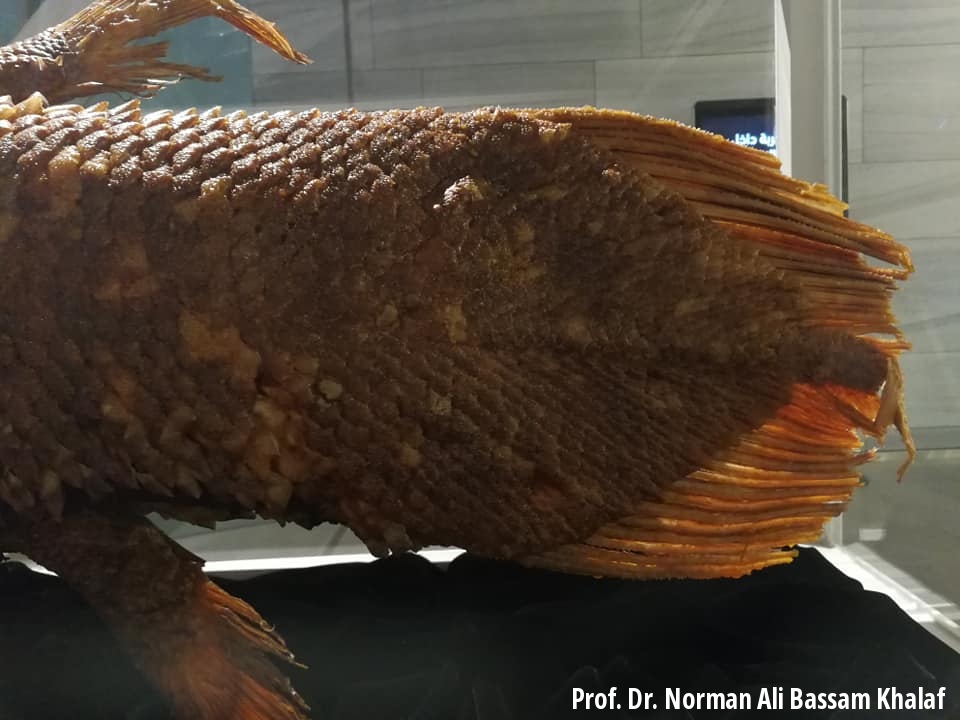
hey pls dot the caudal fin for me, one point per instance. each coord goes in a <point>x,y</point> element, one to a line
<point>749,503</point>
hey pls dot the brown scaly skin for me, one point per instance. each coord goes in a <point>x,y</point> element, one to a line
<point>493,330</point>
<point>301,315</point>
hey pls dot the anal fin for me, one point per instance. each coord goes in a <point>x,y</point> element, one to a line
<point>209,652</point>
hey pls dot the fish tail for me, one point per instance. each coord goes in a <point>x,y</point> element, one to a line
<point>747,505</point>
<point>209,652</point>
<point>93,52</point>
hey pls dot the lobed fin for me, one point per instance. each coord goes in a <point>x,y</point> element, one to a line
<point>113,64</point>
<point>211,653</point>
<point>231,650</point>
<point>739,187</point>
<point>743,190</point>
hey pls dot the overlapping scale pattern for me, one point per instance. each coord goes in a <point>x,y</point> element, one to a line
<point>476,329</point>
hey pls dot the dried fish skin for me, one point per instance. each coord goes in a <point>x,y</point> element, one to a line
<point>401,321</point>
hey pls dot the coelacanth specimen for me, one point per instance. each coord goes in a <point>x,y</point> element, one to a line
<point>579,339</point>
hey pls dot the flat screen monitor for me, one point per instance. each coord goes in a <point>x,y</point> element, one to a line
<point>745,122</point>
<point>751,122</point>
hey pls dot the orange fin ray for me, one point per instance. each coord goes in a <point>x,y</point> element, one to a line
<point>743,510</point>
<point>797,227</point>
<point>227,671</point>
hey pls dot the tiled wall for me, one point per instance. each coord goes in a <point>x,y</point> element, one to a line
<point>656,56</point>
<point>902,75</point>
<point>13,13</point>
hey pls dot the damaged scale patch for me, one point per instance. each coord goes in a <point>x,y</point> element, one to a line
<point>128,275</point>
<point>276,450</point>
<point>223,346</point>
<point>455,322</point>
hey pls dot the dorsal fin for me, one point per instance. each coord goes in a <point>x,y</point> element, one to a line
<point>94,52</point>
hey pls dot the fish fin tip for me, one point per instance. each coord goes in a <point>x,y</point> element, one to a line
<point>102,39</point>
<point>227,669</point>
<point>894,385</point>
<point>263,31</point>
<point>210,653</point>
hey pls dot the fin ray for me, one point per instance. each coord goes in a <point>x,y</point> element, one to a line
<point>729,519</point>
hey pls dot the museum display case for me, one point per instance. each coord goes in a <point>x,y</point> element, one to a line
<point>859,95</point>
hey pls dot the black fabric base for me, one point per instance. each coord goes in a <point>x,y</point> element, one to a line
<point>401,638</point>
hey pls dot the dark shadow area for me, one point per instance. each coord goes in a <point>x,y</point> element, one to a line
<point>401,638</point>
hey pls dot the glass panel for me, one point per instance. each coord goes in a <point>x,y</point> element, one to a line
<point>659,57</point>
<point>706,62</point>
<point>224,51</point>
<point>12,17</point>
<point>901,64</point>
<point>656,56</point>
